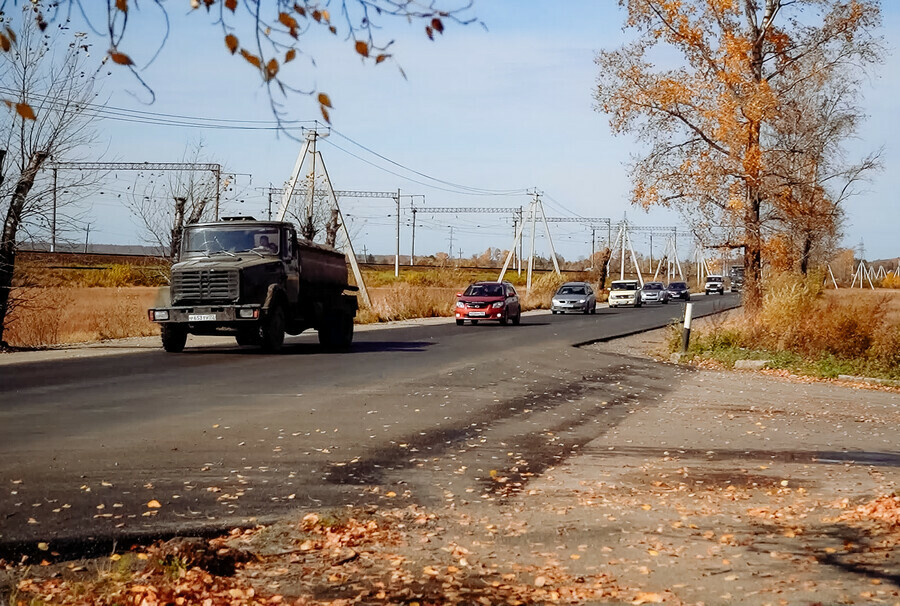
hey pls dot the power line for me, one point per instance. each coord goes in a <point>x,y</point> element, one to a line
<point>165,119</point>
<point>470,189</point>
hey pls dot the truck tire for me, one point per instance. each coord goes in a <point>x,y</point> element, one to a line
<point>247,336</point>
<point>271,330</point>
<point>336,334</point>
<point>174,336</point>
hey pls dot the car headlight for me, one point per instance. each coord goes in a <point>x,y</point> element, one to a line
<point>556,302</point>
<point>581,300</point>
<point>498,304</point>
<point>460,304</point>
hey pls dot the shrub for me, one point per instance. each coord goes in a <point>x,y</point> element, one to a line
<point>801,328</point>
<point>891,280</point>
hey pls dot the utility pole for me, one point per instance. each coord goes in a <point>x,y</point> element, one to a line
<point>450,248</point>
<point>397,254</point>
<point>308,227</point>
<point>651,253</point>
<point>87,236</point>
<point>515,235</point>
<point>593,233</point>
<point>53,216</point>
<point>412,248</point>
<point>269,210</point>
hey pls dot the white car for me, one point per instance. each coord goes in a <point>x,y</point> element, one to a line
<point>625,292</point>
<point>715,283</point>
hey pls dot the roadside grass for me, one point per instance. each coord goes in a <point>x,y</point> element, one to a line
<point>55,315</point>
<point>806,330</point>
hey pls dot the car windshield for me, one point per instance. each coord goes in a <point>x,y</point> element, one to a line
<point>624,286</point>
<point>653,286</point>
<point>714,278</point>
<point>484,290</point>
<point>677,285</point>
<point>571,290</point>
<point>229,240</point>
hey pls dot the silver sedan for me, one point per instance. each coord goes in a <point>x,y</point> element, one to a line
<point>574,296</point>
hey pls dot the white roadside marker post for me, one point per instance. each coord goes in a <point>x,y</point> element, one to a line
<point>686,334</point>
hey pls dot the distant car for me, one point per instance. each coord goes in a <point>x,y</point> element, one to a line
<point>625,292</point>
<point>715,283</point>
<point>496,301</point>
<point>574,296</point>
<point>654,292</point>
<point>678,290</point>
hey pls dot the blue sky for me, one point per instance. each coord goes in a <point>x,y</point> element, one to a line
<point>509,108</point>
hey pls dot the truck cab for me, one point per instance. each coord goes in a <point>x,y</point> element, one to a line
<point>257,281</point>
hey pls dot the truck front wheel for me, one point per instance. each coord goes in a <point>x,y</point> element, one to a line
<point>247,337</point>
<point>174,336</point>
<point>271,330</point>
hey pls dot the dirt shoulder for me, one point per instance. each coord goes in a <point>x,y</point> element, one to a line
<point>727,487</point>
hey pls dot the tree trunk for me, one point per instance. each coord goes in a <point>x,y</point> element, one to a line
<point>752,253</point>
<point>804,258</point>
<point>331,228</point>
<point>177,228</point>
<point>605,254</point>
<point>10,228</point>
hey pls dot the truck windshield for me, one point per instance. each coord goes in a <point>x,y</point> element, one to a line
<point>206,241</point>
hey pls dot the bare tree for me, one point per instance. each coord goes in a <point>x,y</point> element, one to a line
<point>49,88</point>
<point>163,208</point>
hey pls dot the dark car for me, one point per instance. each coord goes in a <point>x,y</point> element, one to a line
<point>574,296</point>
<point>654,292</point>
<point>496,301</point>
<point>678,290</point>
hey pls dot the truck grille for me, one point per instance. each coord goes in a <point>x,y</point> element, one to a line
<point>205,285</point>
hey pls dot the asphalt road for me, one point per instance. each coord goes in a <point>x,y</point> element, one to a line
<point>148,445</point>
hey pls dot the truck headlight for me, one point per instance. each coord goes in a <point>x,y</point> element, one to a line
<point>248,313</point>
<point>160,315</point>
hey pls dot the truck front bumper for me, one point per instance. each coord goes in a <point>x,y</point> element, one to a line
<point>205,314</point>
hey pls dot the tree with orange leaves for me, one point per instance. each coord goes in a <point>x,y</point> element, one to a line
<point>712,117</point>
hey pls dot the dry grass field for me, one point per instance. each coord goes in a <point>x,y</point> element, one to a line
<point>57,315</point>
<point>80,303</point>
<point>69,301</point>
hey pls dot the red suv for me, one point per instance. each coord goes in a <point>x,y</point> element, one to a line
<point>488,301</point>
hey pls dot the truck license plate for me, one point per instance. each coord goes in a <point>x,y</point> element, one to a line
<point>201,317</point>
<point>476,314</point>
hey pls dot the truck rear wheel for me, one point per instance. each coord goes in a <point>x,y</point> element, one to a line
<point>271,331</point>
<point>336,334</point>
<point>174,336</point>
